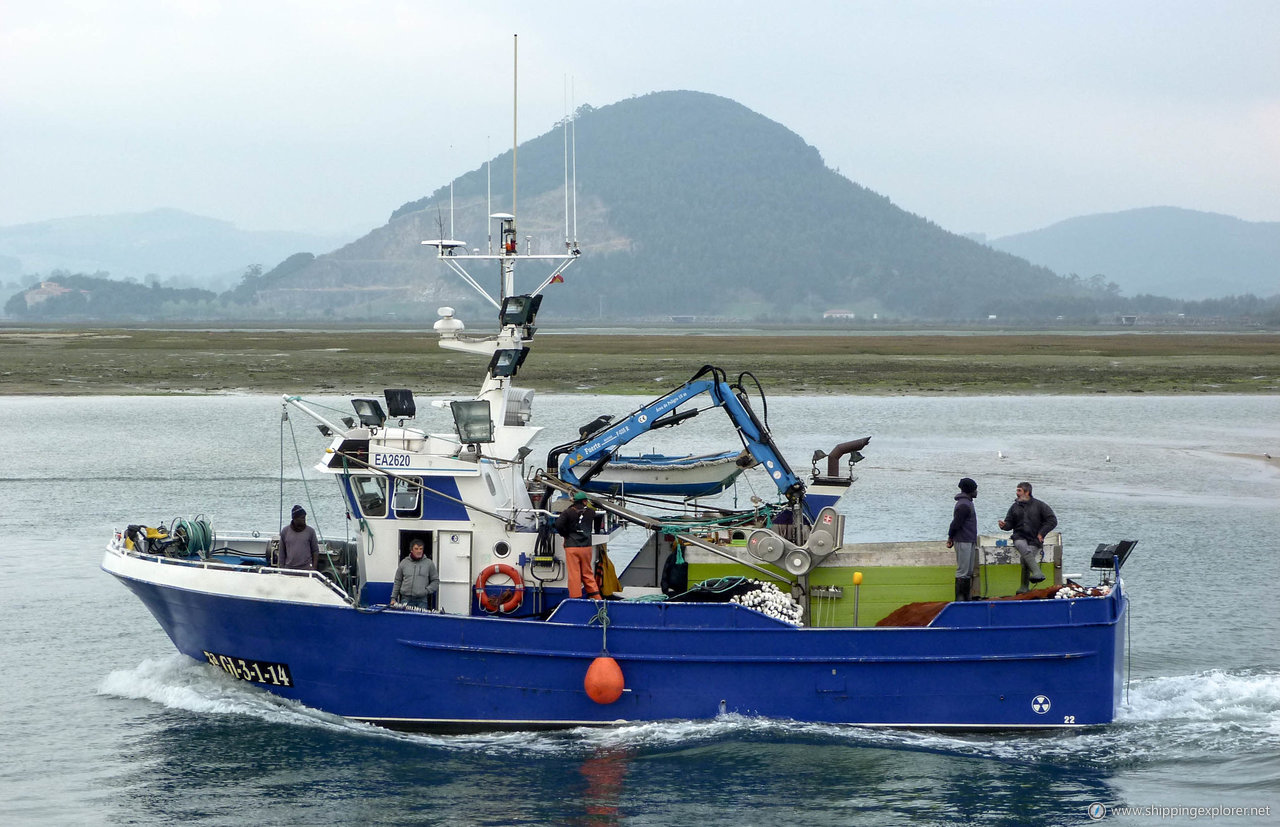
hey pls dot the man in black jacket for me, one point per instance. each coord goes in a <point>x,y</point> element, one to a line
<point>576,525</point>
<point>962,535</point>
<point>1030,520</point>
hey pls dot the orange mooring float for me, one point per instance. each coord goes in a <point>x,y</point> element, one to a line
<point>604,682</point>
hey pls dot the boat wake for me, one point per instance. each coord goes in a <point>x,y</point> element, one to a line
<point>1214,713</point>
<point>1207,714</point>
<point>178,682</point>
<point>1240,696</point>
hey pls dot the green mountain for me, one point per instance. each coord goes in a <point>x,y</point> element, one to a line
<point>688,203</point>
<point>1163,251</point>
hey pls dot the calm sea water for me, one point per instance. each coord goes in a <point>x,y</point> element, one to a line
<point>103,722</point>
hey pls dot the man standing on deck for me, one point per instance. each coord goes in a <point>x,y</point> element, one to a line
<point>963,537</point>
<point>576,525</point>
<point>416,579</point>
<point>1030,520</point>
<point>299,548</point>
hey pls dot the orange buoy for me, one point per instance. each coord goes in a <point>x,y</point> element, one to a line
<point>603,682</point>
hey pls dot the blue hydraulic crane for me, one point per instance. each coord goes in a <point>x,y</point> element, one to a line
<point>582,459</point>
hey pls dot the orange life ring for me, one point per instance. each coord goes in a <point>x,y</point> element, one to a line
<point>510,604</point>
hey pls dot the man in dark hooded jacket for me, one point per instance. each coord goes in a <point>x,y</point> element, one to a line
<point>963,537</point>
<point>1030,520</point>
<point>299,547</point>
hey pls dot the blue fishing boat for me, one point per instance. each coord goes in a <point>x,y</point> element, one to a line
<point>762,610</point>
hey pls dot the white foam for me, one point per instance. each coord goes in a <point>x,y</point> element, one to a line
<point>178,682</point>
<point>174,681</point>
<point>1206,696</point>
<point>655,735</point>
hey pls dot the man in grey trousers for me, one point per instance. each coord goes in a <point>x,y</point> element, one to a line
<point>963,537</point>
<point>1030,520</point>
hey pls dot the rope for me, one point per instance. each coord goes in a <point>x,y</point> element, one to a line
<point>721,584</point>
<point>733,521</point>
<point>1128,649</point>
<point>716,522</point>
<point>301,472</point>
<point>284,416</point>
<point>311,507</point>
<point>602,617</point>
<point>668,466</point>
<point>750,487</point>
<point>320,405</point>
<point>422,486</point>
<point>764,402</point>
<point>362,525</point>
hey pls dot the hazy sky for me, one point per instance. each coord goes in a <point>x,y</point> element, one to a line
<point>325,115</point>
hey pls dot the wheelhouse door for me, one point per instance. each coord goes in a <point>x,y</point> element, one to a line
<point>454,561</point>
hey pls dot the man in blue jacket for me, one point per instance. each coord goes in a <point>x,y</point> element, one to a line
<point>963,537</point>
<point>1030,520</point>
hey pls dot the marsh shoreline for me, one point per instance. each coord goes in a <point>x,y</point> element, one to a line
<point>133,361</point>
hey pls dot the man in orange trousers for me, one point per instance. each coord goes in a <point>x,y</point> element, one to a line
<point>576,525</point>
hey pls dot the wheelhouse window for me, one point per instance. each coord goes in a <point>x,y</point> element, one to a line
<point>371,494</point>
<point>407,501</point>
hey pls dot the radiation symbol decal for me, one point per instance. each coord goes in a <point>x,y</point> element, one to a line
<point>1040,704</point>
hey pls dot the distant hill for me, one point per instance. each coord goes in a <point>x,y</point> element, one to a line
<point>688,203</point>
<point>181,248</point>
<point>1165,251</point>
<point>80,297</point>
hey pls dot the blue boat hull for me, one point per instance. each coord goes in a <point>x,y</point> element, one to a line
<point>997,664</point>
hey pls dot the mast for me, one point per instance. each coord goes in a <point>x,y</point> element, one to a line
<point>453,253</point>
<point>508,266</point>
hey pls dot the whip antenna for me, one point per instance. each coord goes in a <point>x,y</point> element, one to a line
<point>515,113</point>
<point>488,192</point>
<point>566,163</point>
<point>574,124</point>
